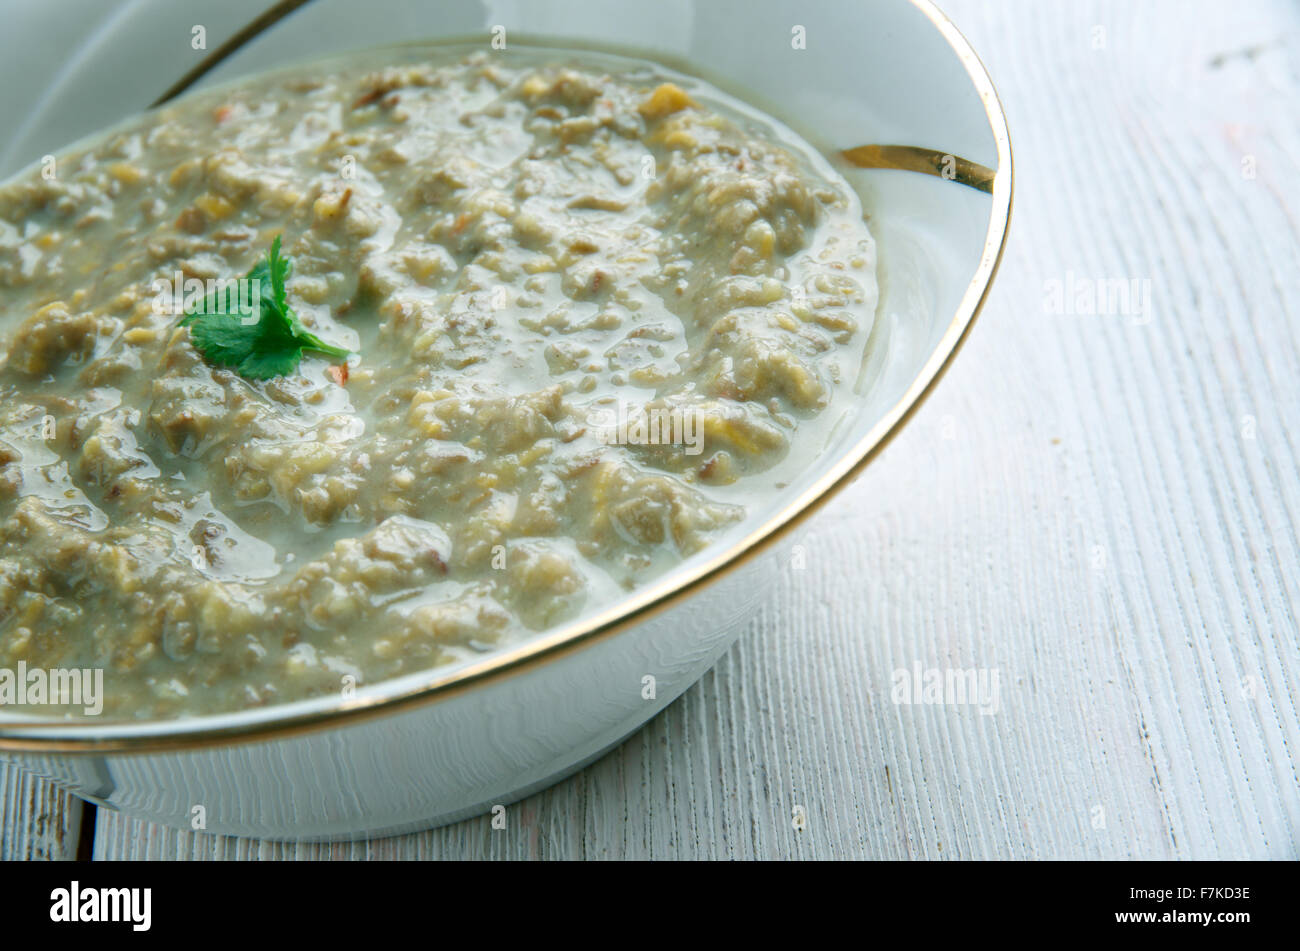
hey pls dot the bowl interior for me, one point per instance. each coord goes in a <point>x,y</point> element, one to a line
<point>843,73</point>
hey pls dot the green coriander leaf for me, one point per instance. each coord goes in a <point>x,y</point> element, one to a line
<point>310,341</point>
<point>221,338</point>
<point>279,269</point>
<point>268,364</point>
<point>260,338</point>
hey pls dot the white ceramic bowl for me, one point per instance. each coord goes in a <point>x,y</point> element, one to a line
<point>433,747</point>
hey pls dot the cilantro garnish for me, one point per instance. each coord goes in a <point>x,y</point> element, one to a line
<point>260,338</point>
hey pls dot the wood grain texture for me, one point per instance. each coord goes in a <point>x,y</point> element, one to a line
<point>37,821</point>
<point>1100,509</point>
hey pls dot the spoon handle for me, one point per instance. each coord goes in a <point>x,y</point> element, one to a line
<point>911,158</point>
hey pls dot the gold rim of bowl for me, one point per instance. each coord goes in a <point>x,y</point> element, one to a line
<point>390,697</point>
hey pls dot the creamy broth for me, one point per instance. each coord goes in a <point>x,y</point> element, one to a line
<point>598,311</point>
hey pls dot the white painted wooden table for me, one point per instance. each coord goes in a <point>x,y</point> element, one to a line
<point>1102,509</point>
